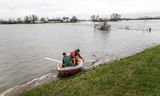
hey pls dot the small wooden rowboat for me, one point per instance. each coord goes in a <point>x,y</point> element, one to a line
<point>66,71</point>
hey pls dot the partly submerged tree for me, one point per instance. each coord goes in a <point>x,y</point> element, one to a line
<point>115,17</point>
<point>102,26</point>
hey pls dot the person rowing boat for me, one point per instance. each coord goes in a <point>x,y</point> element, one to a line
<point>75,55</point>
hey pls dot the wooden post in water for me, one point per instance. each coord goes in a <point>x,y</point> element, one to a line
<point>149,29</point>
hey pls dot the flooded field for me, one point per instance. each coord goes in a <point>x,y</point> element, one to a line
<point>23,47</point>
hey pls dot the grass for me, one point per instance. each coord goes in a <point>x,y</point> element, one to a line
<point>137,75</point>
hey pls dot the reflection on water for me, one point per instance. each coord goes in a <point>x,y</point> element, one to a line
<point>23,47</point>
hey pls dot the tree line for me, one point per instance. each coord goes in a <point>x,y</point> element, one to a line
<point>113,17</point>
<point>34,19</point>
<point>117,17</point>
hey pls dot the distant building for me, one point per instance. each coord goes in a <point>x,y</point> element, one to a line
<point>53,20</point>
<point>65,19</point>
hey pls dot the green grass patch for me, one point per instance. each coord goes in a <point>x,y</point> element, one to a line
<point>137,75</point>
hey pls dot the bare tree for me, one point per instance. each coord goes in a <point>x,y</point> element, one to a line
<point>115,17</point>
<point>93,18</point>
<point>104,26</point>
<point>11,21</point>
<point>19,20</point>
<point>43,20</point>
<point>1,21</point>
<point>33,18</point>
<point>97,17</point>
<point>27,19</point>
<point>74,19</point>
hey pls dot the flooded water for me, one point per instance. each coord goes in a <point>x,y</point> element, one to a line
<point>23,48</point>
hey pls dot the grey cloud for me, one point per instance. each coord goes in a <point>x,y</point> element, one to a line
<point>82,8</point>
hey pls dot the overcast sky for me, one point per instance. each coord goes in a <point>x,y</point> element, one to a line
<point>80,8</point>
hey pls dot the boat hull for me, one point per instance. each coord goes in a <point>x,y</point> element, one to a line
<point>66,71</point>
<point>69,72</point>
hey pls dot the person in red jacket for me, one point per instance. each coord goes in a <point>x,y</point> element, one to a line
<point>75,55</point>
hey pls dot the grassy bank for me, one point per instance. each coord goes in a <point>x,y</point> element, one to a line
<point>137,75</point>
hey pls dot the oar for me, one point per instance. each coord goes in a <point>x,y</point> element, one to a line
<point>90,60</point>
<point>61,62</point>
<point>53,60</point>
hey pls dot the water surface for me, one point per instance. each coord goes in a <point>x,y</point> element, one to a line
<point>23,47</point>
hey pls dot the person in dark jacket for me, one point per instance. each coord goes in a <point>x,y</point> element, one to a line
<point>66,60</point>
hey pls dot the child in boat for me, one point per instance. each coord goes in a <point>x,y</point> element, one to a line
<point>66,60</point>
<point>75,55</point>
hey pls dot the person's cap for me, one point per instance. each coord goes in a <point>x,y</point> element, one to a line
<point>78,50</point>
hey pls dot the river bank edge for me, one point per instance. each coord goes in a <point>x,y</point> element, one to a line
<point>51,77</point>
